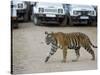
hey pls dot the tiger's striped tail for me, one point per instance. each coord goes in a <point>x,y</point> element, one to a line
<point>93,45</point>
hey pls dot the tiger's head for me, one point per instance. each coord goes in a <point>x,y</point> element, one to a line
<point>49,38</point>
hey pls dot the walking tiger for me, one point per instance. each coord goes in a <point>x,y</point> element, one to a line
<point>64,41</point>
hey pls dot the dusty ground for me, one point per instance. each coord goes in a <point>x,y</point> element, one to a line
<point>30,50</point>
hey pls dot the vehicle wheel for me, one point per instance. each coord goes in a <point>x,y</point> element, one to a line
<point>36,20</point>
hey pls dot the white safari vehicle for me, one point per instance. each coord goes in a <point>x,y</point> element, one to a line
<point>81,14</point>
<point>22,9</point>
<point>48,13</point>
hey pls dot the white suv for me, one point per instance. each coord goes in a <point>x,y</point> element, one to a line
<point>81,14</point>
<point>48,13</point>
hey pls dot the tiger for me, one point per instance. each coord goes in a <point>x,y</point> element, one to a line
<point>65,41</point>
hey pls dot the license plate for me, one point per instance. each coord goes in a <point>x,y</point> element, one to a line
<point>84,17</point>
<point>50,15</point>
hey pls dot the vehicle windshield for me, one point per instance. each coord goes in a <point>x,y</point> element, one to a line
<point>50,5</point>
<point>88,7</point>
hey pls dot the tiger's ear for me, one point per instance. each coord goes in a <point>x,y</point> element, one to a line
<point>46,33</point>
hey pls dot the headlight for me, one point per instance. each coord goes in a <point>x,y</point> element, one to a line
<point>41,9</point>
<point>60,10</point>
<point>20,5</point>
<point>92,13</point>
<point>76,13</point>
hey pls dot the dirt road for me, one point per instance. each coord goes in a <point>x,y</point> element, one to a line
<point>30,50</point>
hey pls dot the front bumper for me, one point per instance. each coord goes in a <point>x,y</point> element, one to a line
<point>87,20</point>
<point>50,18</point>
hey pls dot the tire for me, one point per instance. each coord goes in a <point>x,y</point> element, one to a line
<point>36,20</point>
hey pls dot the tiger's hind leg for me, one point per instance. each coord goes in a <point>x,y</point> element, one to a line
<point>77,54</point>
<point>89,50</point>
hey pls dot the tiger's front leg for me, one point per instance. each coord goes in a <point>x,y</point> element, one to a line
<point>64,55</point>
<point>52,52</point>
